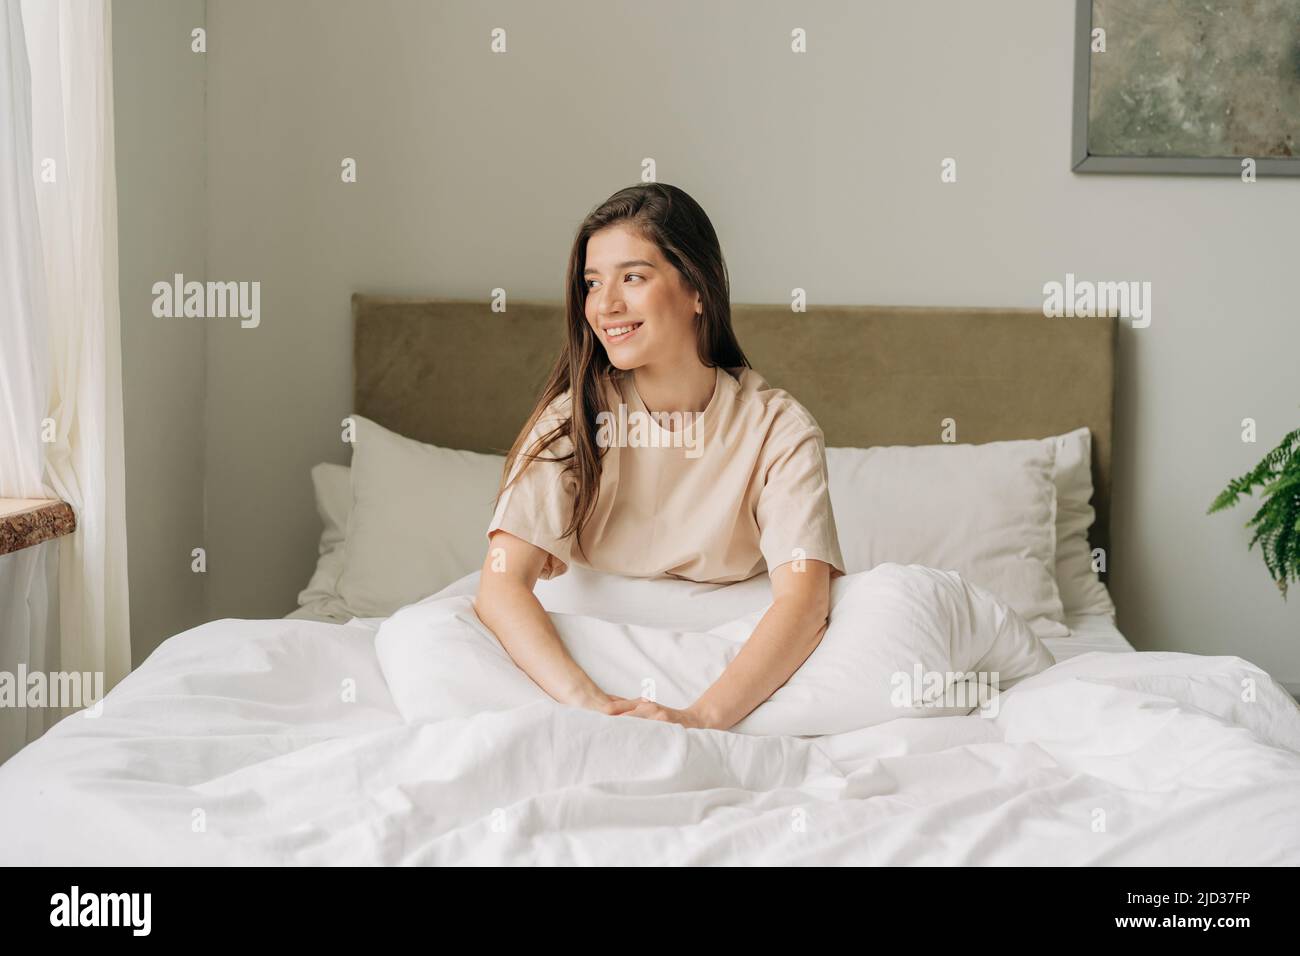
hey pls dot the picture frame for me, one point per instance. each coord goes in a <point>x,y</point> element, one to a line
<point>1083,160</point>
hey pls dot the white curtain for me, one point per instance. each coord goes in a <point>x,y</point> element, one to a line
<point>73,301</point>
<point>23,354</point>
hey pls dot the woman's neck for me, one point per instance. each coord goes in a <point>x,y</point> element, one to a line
<point>676,389</point>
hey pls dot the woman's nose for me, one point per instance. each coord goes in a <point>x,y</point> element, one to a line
<point>608,302</point>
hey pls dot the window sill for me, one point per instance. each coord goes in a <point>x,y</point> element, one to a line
<point>28,521</point>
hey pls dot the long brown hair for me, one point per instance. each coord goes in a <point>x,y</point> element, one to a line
<point>673,221</point>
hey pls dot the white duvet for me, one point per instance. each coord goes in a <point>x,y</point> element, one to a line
<point>285,741</point>
<point>901,641</point>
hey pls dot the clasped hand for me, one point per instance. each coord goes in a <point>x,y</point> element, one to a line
<point>649,710</point>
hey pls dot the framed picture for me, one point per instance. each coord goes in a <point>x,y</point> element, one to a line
<point>1207,87</point>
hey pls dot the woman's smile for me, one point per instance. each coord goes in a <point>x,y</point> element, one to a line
<point>617,334</point>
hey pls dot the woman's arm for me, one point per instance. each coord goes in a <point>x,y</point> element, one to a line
<point>506,604</point>
<point>785,637</point>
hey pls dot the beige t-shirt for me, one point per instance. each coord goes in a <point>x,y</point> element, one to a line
<point>715,498</point>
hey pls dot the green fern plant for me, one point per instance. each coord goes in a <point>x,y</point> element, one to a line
<point>1277,523</point>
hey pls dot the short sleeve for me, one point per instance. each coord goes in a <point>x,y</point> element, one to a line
<point>538,505</point>
<point>794,506</point>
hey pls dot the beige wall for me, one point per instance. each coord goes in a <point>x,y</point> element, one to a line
<point>158,104</point>
<point>820,171</point>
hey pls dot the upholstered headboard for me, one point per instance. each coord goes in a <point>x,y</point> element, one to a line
<point>456,374</point>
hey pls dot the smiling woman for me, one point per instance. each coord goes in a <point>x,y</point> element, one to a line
<point>743,491</point>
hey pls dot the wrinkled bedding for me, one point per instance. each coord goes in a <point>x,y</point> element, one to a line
<point>900,642</point>
<point>282,742</point>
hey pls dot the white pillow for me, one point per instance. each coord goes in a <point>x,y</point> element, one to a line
<point>418,518</point>
<point>320,600</point>
<point>986,511</point>
<point>1081,589</point>
<point>896,622</point>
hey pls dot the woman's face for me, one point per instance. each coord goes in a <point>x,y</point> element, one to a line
<point>638,304</point>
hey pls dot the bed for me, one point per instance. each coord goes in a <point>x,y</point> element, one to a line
<point>289,741</point>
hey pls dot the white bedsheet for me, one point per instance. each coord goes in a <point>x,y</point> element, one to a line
<point>1088,632</point>
<point>278,742</point>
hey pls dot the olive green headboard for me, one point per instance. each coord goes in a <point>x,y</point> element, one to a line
<point>455,373</point>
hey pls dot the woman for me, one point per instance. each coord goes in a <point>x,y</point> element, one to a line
<point>655,450</point>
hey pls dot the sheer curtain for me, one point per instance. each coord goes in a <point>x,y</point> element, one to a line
<point>23,354</point>
<point>66,311</point>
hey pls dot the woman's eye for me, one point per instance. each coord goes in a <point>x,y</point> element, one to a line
<point>630,275</point>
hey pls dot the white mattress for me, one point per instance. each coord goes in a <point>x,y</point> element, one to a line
<point>278,742</point>
<point>1088,633</point>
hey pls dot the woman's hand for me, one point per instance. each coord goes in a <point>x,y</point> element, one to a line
<point>649,710</point>
<point>601,702</point>
<point>645,708</point>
